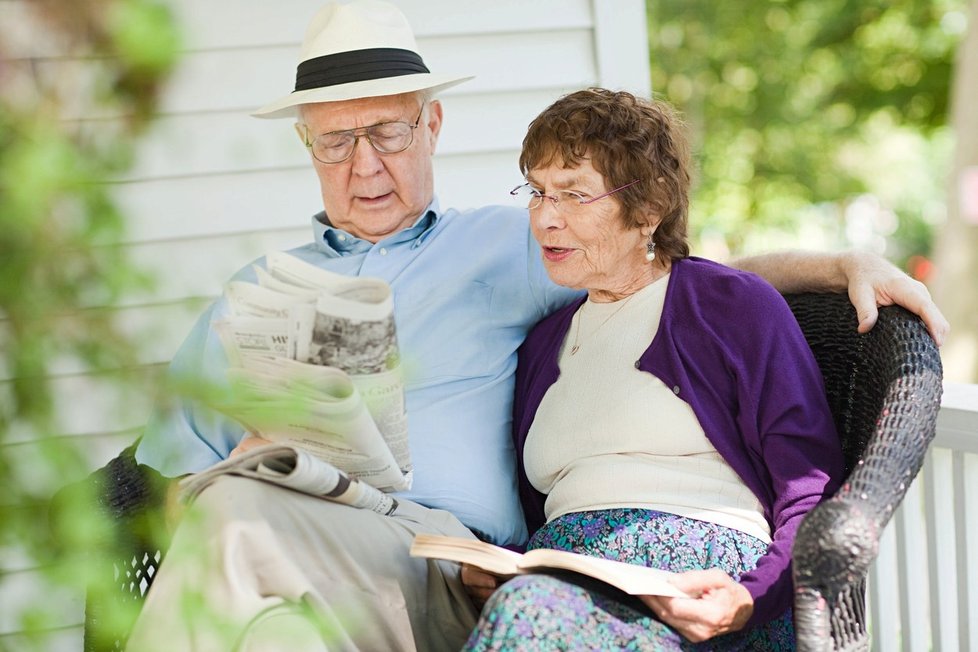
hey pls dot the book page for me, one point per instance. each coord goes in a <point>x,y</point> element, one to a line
<point>630,578</point>
<point>494,559</point>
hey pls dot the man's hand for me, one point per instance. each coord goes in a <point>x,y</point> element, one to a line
<point>874,281</point>
<point>479,584</point>
<point>249,442</point>
<point>173,507</point>
<point>870,280</point>
<point>722,605</point>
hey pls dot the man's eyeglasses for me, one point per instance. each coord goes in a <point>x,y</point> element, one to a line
<point>563,200</point>
<point>338,146</point>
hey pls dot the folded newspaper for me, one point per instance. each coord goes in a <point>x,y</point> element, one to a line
<point>314,362</point>
<point>296,469</point>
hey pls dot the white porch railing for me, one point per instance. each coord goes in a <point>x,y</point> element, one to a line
<point>923,588</point>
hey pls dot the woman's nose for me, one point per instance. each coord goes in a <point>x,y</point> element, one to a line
<point>547,214</point>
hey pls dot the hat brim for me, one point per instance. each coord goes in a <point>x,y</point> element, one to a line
<point>287,106</point>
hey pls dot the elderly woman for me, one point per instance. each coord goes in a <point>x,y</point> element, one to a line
<point>674,418</point>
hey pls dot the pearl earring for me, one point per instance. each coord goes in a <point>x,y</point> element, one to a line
<point>650,249</point>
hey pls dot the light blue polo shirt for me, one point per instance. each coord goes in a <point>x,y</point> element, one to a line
<point>467,287</point>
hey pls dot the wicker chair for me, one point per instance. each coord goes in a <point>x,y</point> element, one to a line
<point>884,389</point>
<point>131,497</point>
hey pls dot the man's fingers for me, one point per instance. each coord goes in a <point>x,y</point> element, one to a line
<point>914,298</point>
<point>479,585</point>
<point>474,577</point>
<point>937,324</point>
<point>863,298</point>
<point>248,443</point>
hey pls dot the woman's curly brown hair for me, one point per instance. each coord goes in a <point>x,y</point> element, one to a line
<point>626,138</point>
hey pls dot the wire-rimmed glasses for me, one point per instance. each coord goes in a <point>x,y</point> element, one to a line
<point>563,200</point>
<point>338,146</point>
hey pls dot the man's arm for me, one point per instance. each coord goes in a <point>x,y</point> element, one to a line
<point>870,280</point>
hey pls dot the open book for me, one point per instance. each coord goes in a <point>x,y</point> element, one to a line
<point>314,363</point>
<point>630,578</point>
<point>295,469</point>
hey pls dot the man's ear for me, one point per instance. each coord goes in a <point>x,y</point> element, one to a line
<point>434,123</point>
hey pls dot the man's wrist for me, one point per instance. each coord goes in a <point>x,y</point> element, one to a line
<point>847,265</point>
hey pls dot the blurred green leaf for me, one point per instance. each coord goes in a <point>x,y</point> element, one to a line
<point>780,97</point>
<point>63,270</point>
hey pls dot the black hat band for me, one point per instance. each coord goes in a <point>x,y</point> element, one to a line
<point>356,66</point>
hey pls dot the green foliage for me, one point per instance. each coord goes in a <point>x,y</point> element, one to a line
<point>795,104</point>
<point>62,266</point>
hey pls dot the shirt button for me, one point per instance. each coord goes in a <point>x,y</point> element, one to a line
<point>341,238</point>
<point>675,390</point>
<point>383,251</point>
<point>638,364</point>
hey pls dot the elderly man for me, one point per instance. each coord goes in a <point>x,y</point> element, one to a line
<point>260,568</point>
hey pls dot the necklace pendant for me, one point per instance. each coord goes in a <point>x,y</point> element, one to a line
<point>575,349</point>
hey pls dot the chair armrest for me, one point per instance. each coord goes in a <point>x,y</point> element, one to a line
<point>132,538</point>
<point>890,398</point>
<point>834,547</point>
<point>130,496</point>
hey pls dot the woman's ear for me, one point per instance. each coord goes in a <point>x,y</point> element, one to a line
<point>651,224</point>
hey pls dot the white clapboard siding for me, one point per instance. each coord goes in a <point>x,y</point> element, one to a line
<point>213,188</point>
<point>264,24</point>
<point>94,404</point>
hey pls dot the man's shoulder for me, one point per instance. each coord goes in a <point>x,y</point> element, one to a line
<point>502,229</point>
<point>492,216</point>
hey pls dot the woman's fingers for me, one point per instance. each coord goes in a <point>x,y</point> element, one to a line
<point>721,606</point>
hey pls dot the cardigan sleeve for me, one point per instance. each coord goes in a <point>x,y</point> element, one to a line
<point>789,437</point>
<point>731,346</point>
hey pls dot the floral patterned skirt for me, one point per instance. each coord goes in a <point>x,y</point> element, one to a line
<point>551,612</point>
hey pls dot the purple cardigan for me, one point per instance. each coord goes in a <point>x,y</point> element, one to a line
<point>729,346</point>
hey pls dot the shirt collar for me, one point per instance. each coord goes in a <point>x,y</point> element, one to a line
<point>339,242</point>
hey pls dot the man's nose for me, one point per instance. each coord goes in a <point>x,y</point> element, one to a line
<point>366,159</point>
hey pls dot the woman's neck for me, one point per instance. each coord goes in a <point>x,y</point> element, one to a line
<point>649,274</point>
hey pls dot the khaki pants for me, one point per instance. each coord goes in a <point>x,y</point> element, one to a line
<point>254,567</point>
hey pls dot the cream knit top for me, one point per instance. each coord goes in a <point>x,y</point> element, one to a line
<point>609,435</point>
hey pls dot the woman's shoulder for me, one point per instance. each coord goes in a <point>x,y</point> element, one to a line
<point>553,327</point>
<point>713,289</point>
<point>706,277</point>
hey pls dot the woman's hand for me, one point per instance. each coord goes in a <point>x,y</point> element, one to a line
<point>249,442</point>
<point>479,584</point>
<point>721,605</point>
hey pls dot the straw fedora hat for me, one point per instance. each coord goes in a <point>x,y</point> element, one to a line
<point>361,49</point>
